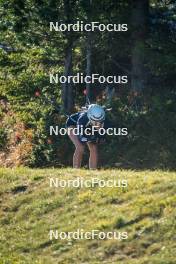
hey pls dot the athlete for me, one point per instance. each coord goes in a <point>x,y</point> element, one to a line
<point>89,123</point>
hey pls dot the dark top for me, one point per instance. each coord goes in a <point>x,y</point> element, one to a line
<point>81,121</point>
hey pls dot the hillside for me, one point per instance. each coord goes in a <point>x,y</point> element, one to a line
<point>30,208</point>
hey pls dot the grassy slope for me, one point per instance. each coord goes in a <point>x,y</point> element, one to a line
<point>146,210</point>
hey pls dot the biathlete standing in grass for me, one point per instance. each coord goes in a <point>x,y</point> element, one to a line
<point>89,123</point>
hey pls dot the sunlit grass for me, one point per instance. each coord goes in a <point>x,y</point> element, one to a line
<point>30,208</point>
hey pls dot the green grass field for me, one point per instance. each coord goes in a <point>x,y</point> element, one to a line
<point>29,208</point>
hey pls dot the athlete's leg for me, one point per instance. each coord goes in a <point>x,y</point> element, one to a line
<point>79,150</point>
<point>93,158</point>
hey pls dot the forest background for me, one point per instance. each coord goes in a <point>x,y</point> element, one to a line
<point>146,53</point>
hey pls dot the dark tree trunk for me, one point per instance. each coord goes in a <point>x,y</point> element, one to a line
<point>88,64</point>
<point>140,14</point>
<point>67,88</point>
<point>89,12</point>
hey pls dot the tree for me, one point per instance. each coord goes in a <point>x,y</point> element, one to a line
<point>88,9</point>
<point>140,16</point>
<point>67,88</point>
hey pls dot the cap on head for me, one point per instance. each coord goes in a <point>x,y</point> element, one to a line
<point>96,113</point>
